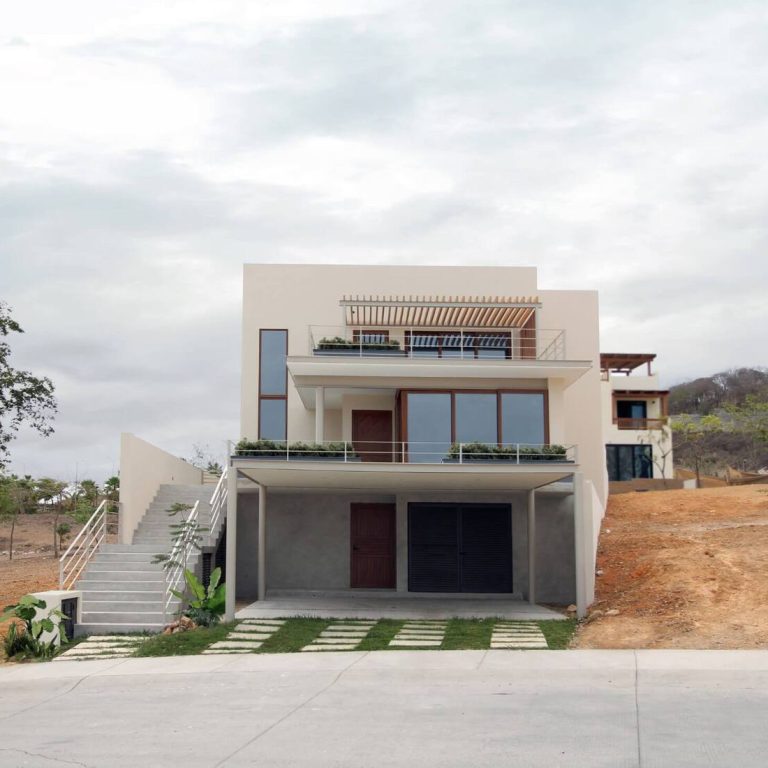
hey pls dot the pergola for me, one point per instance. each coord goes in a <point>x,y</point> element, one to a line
<point>440,311</point>
<point>624,362</point>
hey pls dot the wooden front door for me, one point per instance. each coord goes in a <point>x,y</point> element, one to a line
<point>372,546</point>
<point>372,435</point>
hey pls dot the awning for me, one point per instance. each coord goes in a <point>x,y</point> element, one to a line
<point>439,311</point>
<point>625,362</point>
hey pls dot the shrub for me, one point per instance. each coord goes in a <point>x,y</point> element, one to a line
<point>487,452</point>
<point>206,606</point>
<point>26,643</point>
<point>295,450</point>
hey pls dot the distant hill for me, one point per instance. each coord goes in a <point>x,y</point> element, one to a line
<point>711,393</point>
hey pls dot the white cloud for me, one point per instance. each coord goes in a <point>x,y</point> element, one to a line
<point>148,149</point>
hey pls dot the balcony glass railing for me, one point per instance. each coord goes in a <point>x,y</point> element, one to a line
<point>405,452</point>
<point>450,343</point>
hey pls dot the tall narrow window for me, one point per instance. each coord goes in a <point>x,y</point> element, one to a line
<point>273,384</point>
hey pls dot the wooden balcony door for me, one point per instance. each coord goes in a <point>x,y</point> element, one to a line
<point>372,435</point>
<point>372,544</point>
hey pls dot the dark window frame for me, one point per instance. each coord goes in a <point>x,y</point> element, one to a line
<point>638,449</point>
<point>284,397</point>
<point>468,351</point>
<point>402,400</point>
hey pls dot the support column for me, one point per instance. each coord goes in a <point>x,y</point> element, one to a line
<point>580,541</point>
<point>262,571</point>
<point>231,553</point>
<point>532,546</point>
<point>319,414</point>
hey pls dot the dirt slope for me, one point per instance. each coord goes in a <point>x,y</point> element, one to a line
<point>685,569</point>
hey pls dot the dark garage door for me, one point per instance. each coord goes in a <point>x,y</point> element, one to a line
<point>459,548</point>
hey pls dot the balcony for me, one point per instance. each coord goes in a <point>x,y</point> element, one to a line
<point>447,344</point>
<point>504,454</point>
<point>409,466</point>
<point>641,424</point>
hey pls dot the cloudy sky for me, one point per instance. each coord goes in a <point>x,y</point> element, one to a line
<point>148,149</point>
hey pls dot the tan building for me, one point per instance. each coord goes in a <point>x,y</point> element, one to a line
<point>406,432</point>
<point>417,429</point>
<point>638,441</point>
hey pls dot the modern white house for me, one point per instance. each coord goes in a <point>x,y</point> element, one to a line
<point>405,432</point>
<point>638,442</point>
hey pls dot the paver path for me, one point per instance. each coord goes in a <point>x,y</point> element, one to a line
<point>342,635</point>
<point>246,637</point>
<point>517,634</point>
<point>103,647</point>
<point>420,634</point>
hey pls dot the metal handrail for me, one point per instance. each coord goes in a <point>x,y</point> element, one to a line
<point>79,553</point>
<point>450,343</point>
<point>412,452</point>
<point>181,548</point>
<point>218,502</point>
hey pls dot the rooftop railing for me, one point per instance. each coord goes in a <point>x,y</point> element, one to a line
<point>406,452</point>
<point>453,343</point>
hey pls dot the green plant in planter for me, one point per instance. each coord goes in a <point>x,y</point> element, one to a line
<point>27,643</point>
<point>206,605</point>
<point>297,450</point>
<point>338,342</point>
<point>487,452</point>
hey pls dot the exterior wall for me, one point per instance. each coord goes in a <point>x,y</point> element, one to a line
<point>615,436</point>
<point>308,540</point>
<point>297,296</point>
<point>143,469</point>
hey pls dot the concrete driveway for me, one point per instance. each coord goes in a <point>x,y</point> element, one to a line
<point>450,708</point>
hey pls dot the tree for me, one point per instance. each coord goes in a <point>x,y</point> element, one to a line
<point>84,500</point>
<point>17,495</point>
<point>661,441</point>
<point>202,458</point>
<point>693,434</point>
<point>24,398</point>
<point>53,492</point>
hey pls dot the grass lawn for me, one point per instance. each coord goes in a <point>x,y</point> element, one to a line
<point>183,643</point>
<point>558,633</point>
<point>461,634</point>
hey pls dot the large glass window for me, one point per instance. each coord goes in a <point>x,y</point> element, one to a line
<point>274,350</point>
<point>437,419</point>
<point>631,409</point>
<point>273,392</point>
<point>522,417</point>
<point>272,424</point>
<point>429,426</point>
<point>476,418</point>
<point>628,462</point>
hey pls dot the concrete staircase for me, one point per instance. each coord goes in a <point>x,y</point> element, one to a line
<point>123,591</point>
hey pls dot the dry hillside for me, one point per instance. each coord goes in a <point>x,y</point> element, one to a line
<point>684,569</point>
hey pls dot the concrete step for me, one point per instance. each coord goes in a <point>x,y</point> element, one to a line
<point>116,628</point>
<point>110,548</point>
<point>133,565</point>
<point>111,606</point>
<point>130,584</point>
<point>127,595</point>
<point>110,558</point>
<point>135,618</point>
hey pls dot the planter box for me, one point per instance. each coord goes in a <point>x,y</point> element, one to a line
<point>355,352</point>
<point>506,460</point>
<point>296,457</point>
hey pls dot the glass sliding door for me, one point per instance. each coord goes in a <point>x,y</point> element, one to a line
<point>523,418</point>
<point>428,425</point>
<point>476,418</point>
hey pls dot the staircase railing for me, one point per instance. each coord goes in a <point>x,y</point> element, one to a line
<point>218,505</point>
<point>178,557</point>
<point>83,547</point>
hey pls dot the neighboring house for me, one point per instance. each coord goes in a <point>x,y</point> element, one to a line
<point>405,431</point>
<point>638,441</point>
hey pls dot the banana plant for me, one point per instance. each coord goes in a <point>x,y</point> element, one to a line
<point>206,605</point>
